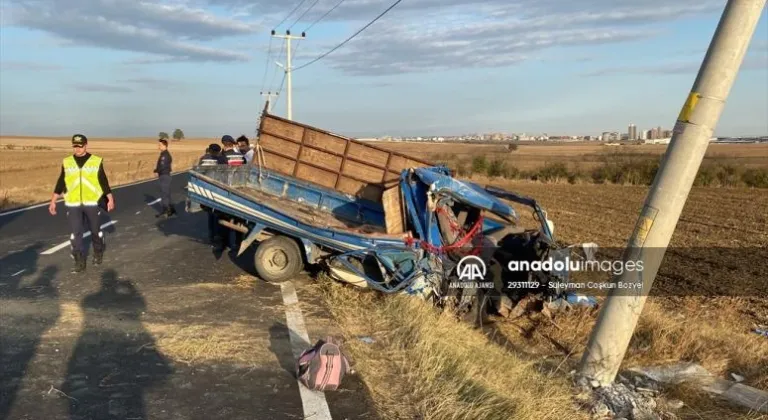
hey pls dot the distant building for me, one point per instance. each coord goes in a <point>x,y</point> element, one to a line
<point>632,132</point>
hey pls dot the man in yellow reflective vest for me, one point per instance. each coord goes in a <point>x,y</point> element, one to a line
<point>84,184</point>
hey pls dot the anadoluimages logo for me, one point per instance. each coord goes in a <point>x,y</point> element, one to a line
<point>471,268</point>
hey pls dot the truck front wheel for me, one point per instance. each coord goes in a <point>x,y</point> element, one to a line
<point>278,259</point>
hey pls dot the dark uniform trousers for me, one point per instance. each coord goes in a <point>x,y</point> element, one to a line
<point>80,218</point>
<point>165,191</point>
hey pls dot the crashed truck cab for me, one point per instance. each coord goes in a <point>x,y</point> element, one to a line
<point>456,223</point>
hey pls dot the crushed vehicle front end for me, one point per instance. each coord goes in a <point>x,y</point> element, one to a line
<point>464,240</point>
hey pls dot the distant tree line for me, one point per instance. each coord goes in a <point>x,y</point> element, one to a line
<point>177,135</point>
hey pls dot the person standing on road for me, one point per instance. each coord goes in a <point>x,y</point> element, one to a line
<point>234,157</point>
<point>213,157</point>
<point>83,183</point>
<point>245,148</point>
<point>163,171</point>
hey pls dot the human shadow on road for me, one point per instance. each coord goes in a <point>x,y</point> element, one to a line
<point>280,346</point>
<point>194,226</point>
<point>6,219</point>
<point>16,265</point>
<point>114,361</point>
<point>28,312</point>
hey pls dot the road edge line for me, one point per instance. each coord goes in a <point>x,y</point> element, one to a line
<point>64,244</point>
<point>313,403</point>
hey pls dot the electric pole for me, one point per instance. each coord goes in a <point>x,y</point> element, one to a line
<point>269,96</point>
<point>661,212</point>
<point>287,67</point>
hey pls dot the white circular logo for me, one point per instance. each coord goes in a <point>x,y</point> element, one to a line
<point>471,268</point>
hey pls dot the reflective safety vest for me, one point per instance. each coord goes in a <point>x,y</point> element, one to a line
<point>234,158</point>
<point>83,187</point>
<point>208,160</point>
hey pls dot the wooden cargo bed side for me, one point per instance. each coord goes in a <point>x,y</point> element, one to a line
<point>330,160</point>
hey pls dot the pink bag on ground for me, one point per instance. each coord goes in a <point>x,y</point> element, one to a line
<point>322,367</point>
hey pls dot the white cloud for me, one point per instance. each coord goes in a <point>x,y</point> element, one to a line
<point>427,35</point>
<point>418,35</point>
<point>169,30</point>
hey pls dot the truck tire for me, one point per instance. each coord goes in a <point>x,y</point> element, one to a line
<point>278,259</point>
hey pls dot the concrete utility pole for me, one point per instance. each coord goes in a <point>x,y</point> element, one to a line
<point>269,96</point>
<point>658,218</point>
<point>287,67</point>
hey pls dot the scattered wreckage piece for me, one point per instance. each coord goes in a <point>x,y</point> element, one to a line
<point>685,372</point>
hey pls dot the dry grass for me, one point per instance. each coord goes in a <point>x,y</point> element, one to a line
<point>426,365</point>
<point>701,406</point>
<point>244,281</point>
<point>517,368</point>
<point>661,337</point>
<point>195,344</point>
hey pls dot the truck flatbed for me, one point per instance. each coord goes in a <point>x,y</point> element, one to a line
<point>311,215</point>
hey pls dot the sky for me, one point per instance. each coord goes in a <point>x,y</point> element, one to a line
<point>110,68</point>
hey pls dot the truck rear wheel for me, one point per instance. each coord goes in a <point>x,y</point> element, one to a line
<point>278,259</point>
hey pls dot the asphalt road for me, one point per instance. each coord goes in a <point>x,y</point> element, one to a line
<point>159,330</point>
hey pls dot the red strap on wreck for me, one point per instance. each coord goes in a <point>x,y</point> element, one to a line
<point>474,231</point>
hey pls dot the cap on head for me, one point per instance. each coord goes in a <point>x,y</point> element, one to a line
<point>164,142</point>
<point>227,139</point>
<point>79,140</point>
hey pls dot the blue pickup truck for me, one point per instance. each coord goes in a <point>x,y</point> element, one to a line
<point>415,230</point>
<point>295,222</point>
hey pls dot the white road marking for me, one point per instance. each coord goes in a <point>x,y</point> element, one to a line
<point>154,202</point>
<point>313,402</point>
<point>18,272</point>
<point>65,243</point>
<point>34,206</point>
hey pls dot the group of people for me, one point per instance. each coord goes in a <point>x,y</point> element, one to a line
<point>85,188</point>
<point>233,153</point>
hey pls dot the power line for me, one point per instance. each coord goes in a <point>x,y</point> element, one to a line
<point>350,38</point>
<point>274,73</point>
<point>280,90</point>
<point>289,14</point>
<point>303,14</point>
<point>266,65</point>
<point>323,16</point>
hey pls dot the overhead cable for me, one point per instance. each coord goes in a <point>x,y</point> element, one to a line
<point>289,14</point>
<point>298,19</point>
<point>324,15</point>
<point>350,38</point>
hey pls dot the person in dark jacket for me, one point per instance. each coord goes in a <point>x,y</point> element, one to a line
<point>234,157</point>
<point>212,156</point>
<point>163,171</point>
